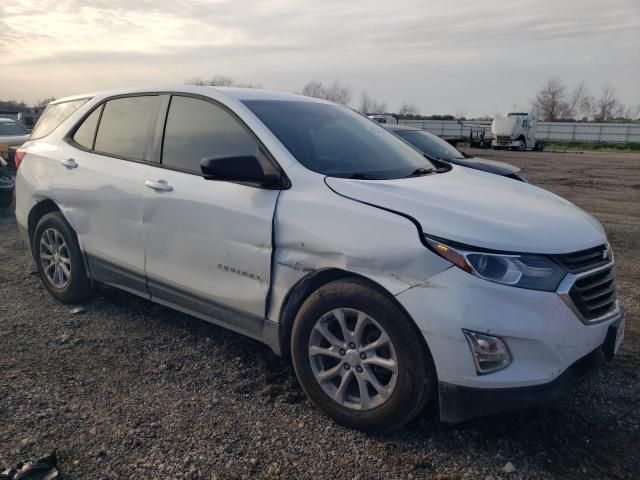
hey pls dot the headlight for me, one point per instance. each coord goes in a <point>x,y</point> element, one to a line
<point>535,272</point>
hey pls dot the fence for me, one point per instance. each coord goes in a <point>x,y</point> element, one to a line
<point>561,131</point>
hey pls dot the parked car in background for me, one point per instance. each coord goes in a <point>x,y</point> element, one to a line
<point>383,118</point>
<point>6,184</point>
<point>387,278</point>
<point>12,134</point>
<point>439,149</point>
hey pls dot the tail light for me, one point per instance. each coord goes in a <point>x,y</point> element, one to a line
<point>19,156</point>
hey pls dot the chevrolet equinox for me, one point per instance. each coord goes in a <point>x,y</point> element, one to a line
<point>388,278</point>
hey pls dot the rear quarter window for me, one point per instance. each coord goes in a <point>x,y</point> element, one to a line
<point>86,132</point>
<point>54,115</point>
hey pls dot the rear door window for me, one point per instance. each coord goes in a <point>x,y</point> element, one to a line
<point>85,134</point>
<point>127,126</point>
<point>54,115</point>
<point>197,129</point>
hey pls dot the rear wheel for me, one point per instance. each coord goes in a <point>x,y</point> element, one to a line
<point>359,358</point>
<point>59,260</point>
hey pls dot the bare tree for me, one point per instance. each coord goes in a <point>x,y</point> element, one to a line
<point>555,102</point>
<point>336,92</point>
<point>460,115</point>
<point>549,99</point>
<point>314,89</point>
<point>217,81</point>
<point>44,102</point>
<point>339,93</point>
<point>607,105</point>
<point>587,107</point>
<point>366,103</point>
<point>220,81</point>
<point>571,107</point>
<point>13,105</point>
<point>408,109</point>
<point>369,105</point>
<point>623,112</point>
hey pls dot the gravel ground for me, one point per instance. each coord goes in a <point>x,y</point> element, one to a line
<point>130,389</point>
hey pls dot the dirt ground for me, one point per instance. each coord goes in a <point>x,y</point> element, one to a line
<point>130,389</point>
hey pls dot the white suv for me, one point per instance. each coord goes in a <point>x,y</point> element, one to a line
<point>388,278</point>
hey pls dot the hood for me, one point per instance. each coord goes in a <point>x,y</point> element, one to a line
<point>482,210</point>
<point>503,126</point>
<point>491,166</point>
<point>13,140</point>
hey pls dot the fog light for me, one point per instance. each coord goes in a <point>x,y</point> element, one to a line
<point>489,353</point>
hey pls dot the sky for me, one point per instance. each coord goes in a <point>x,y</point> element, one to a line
<point>460,57</point>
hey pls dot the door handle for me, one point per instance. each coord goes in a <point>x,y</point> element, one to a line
<point>159,185</point>
<point>69,163</point>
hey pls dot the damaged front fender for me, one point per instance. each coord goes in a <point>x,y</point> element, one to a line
<point>318,230</point>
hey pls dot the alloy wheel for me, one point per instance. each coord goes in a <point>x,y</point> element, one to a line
<point>353,359</point>
<point>55,258</point>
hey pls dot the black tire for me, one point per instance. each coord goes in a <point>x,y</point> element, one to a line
<point>416,378</point>
<point>79,286</point>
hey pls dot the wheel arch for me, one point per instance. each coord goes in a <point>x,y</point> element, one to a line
<point>311,282</point>
<point>36,213</point>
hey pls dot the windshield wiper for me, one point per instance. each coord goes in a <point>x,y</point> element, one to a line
<point>419,172</point>
<point>361,176</point>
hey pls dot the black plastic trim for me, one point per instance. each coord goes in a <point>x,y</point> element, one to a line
<point>242,322</point>
<point>458,403</point>
<point>106,272</point>
<point>248,324</point>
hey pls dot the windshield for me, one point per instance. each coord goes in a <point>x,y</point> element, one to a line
<point>338,142</point>
<point>431,144</point>
<point>12,128</point>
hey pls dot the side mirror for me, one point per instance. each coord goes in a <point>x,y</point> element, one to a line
<point>242,169</point>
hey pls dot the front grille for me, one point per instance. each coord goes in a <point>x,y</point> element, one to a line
<point>595,295</point>
<point>585,260</point>
<point>504,139</point>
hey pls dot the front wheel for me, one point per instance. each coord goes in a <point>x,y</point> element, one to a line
<point>359,358</point>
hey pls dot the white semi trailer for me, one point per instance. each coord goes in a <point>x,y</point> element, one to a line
<point>516,131</point>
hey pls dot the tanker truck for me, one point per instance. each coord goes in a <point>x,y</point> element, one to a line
<point>516,131</point>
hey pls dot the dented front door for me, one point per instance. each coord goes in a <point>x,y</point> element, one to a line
<point>207,242</point>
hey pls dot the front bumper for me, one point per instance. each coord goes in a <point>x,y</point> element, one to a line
<point>544,336</point>
<point>462,403</point>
